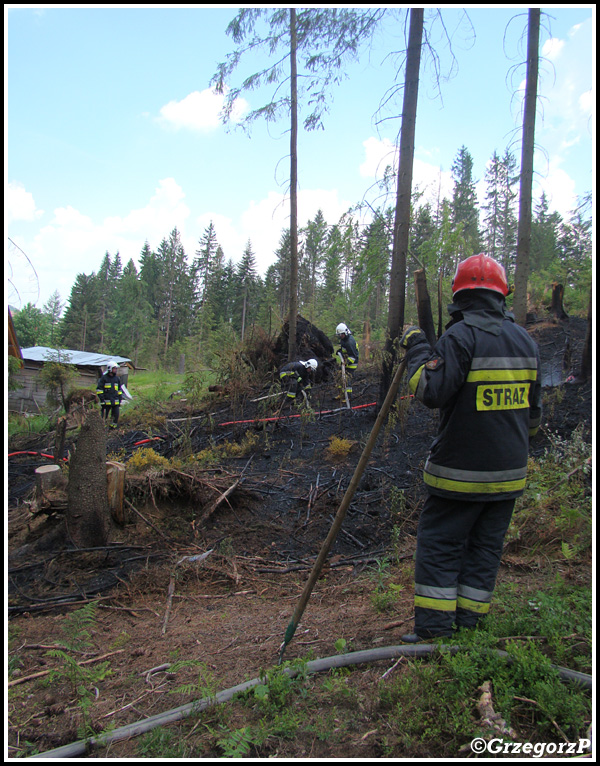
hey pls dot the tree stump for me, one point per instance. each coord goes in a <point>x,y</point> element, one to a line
<point>46,477</point>
<point>557,308</point>
<point>115,477</point>
<point>87,517</point>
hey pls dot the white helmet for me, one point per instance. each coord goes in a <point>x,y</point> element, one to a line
<point>341,329</point>
<point>312,363</point>
<point>112,365</point>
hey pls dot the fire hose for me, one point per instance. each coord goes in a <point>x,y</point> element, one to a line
<point>83,746</point>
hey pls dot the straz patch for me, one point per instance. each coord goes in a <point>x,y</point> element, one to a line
<point>433,364</point>
<point>503,396</point>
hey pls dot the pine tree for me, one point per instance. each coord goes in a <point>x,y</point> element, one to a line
<point>53,309</point>
<point>372,272</point>
<point>500,217</point>
<point>575,249</point>
<point>130,323</point>
<point>313,256</point>
<point>545,231</point>
<point>464,202</point>
<point>281,272</point>
<point>331,287</point>
<point>81,311</point>
<point>105,282</point>
<point>150,277</point>
<point>176,288</point>
<point>203,263</point>
<point>248,282</point>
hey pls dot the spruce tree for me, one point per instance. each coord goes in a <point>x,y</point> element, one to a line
<point>53,309</point>
<point>80,315</point>
<point>464,202</point>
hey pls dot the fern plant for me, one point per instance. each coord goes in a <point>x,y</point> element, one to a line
<point>81,679</point>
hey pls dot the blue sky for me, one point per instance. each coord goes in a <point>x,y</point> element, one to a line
<point>112,136</point>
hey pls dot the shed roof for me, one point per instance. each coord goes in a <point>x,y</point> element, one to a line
<point>67,356</point>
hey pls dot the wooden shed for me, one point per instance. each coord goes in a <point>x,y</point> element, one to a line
<point>31,396</point>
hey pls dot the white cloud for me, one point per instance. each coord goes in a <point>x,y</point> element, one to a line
<point>378,155</point>
<point>73,243</point>
<point>567,91</point>
<point>559,188</point>
<point>586,102</point>
<point>165,211</point>
<point>552,48</point>
<point>199,111</point>
<point>264,221</point>
<point>20,204</point>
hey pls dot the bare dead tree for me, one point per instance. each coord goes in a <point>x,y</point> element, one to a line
<point>527,147</point>
<point>403,198</point>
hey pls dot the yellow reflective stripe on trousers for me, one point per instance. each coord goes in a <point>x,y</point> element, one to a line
<point>442,605</point>
<point>481,607</point>
<point>471,482</point>
<point>473,487</point>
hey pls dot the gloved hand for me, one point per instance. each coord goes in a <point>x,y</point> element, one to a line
<point>339,357</point>
<point>411,336</point>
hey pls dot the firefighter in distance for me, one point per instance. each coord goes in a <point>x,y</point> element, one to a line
<point>110,392</point>
<point>347,353</point>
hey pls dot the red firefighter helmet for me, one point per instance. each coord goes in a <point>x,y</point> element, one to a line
<point>482,272</point>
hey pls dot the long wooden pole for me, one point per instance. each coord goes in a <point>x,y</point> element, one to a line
<point>344,505</point>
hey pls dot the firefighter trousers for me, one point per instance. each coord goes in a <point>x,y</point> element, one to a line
<point>111,409</point>
<point>459,547</point>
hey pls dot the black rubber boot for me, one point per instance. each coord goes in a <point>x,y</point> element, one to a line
<point>411,638</point>
<point>414,638</point>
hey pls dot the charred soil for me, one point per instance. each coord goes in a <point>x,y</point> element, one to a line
<point>261,499</point>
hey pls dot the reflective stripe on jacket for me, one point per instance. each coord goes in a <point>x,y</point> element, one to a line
<point>109,389</point>
<point>486,384</point>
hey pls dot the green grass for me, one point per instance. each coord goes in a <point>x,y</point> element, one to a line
<point>34,424</point>
<point>157,385</point>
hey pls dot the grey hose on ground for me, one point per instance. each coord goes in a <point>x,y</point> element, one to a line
<point>81,747</point>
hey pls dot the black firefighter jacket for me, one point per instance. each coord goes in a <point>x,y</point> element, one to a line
<point>109,389</point>
<point>349,350</point>
<point>484,375</point>
<point>296,373</point>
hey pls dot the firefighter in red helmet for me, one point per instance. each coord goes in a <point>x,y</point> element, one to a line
<point>484,376</point>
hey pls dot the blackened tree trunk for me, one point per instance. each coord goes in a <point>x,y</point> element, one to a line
<point>557,308</point>
<point>525,199</point>
<point>424,313</point>
<point>403,198</point>
<point>585,370</point>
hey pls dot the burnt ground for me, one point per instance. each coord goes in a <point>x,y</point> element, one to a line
<point>231,610</point>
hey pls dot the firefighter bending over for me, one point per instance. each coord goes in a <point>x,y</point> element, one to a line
<point>296,377</point>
